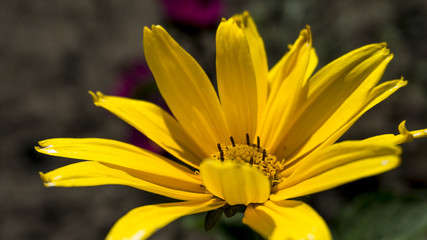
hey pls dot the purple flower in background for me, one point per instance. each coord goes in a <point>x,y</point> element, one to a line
<point>195,13</point>
<point>132,77</point>
<point>138,139</point>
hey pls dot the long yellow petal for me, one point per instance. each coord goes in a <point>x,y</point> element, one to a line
<point>258,54</point>
<point>286,91</point>
<point>274,75</point>
<point>155,167</point>
<point>237,85</point>
<point>186,89</point>
<point>156,124</point>
<point>334,72</point>
<point>142,222</point>
<point>377,95</point>
<point>336,94</point>
<point>286,220</point>
<point>235,183</point>
<point>312,64</point>
<point>404,136</point>
<point>349,113</point>
<point>85,174</point>
<point>335,165</point>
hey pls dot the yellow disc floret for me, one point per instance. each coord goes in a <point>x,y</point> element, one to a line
<point>251,154</point>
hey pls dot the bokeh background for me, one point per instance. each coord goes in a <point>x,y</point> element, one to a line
<point>53,52</point>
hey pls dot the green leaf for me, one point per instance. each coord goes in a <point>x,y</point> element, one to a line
<point>212,218</point>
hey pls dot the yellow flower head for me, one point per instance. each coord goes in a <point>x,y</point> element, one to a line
<point>269,136</point>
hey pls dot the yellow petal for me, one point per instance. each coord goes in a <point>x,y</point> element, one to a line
<point>336,94</point>
<point>259,58</point>
<point>377,95</point>
<point>404,136</point>
<point>350,114</point>
<point>156,124</point>
<point>422,133</point>
<point>142,222</point>
<point>365,59</point>
<point>153,167</point>
<point>286,91</point>
<point>286,220</point>
<point>186,89</point>
<point>335,165</point>
<point>235,183</point>
<point>236,76</point>
<point>84,174</point>
<point>312,64</point>
<point>275,75</point>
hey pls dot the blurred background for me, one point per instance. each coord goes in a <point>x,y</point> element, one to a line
<point>53,52</point>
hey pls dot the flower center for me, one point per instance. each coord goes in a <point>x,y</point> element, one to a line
<point>252,154</point>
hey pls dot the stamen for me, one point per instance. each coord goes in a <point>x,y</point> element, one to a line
<point>232,141</point>
<point>252,154</point>
<point>221,153</point>
<point>277,181</point>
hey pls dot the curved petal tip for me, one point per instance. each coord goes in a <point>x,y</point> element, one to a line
<point>97,97</point>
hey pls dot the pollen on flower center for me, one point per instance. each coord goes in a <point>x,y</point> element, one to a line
<point>252,154</point>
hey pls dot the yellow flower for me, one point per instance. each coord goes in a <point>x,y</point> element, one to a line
<point>268,138</point>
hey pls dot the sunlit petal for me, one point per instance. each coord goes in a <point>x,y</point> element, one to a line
<point>84,174</point>
<point>336,165</point>
<point>236,76</point>
<point>156,124</point>
<point>258,55</point>
<point>312,64</point>
<point>142,222</point>
<point>186,89</point>
<point>404,136</point>
<point>377,95</point>
<point>286,220</point>
<point>117,153</point>
<point>235,183</point>
<point>286,91</point>
<point>336,94</point>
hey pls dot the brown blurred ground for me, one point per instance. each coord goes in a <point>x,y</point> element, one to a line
<point>53,52</point>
